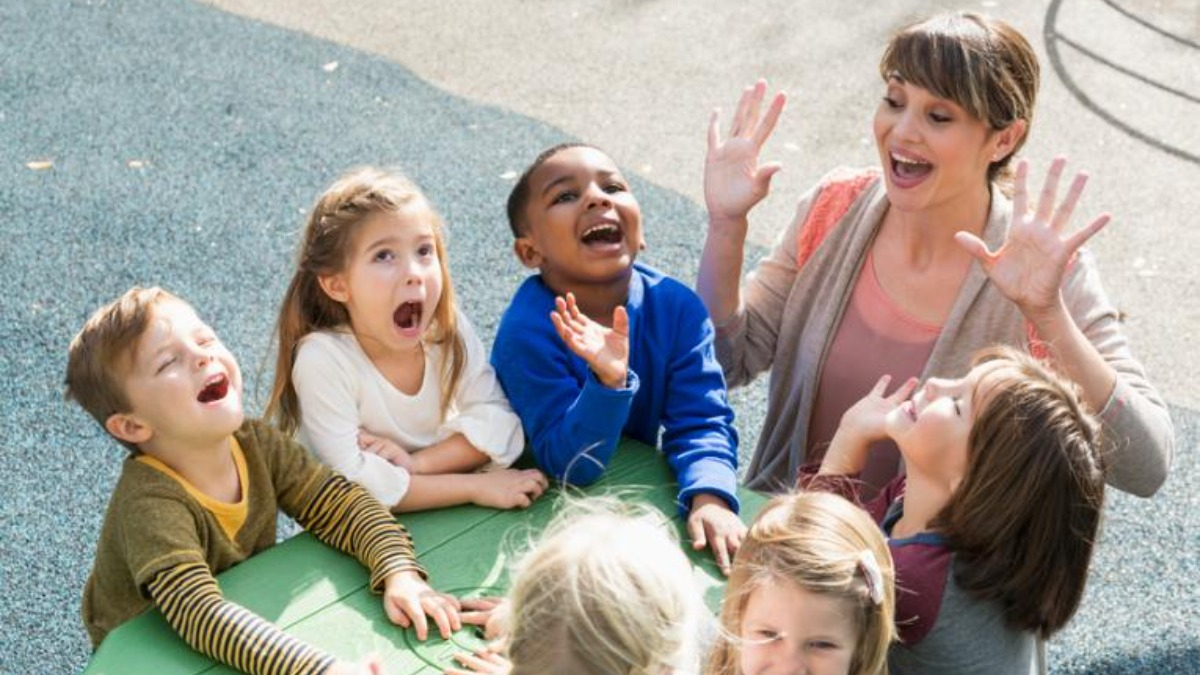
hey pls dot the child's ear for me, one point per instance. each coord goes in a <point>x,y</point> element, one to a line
<point>335,287</point>
<point>128,428</point>
<point>527,252</point>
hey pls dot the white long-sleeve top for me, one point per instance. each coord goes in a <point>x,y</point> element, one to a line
<point>340,391</point>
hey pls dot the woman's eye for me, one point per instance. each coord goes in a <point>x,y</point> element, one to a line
<point>166,364</point>
<point>940,118</point>
<point>957,407</point>
<point>891,102</point>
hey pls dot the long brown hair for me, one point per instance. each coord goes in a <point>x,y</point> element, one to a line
<point>816,540</point>
<point>981,63</point>
<point>328,237</point>
<point>1023,521</point>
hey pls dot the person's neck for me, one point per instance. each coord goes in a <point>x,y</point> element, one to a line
<point>596,300</point>
<point>926,237</point>
<point>207,464</point>
<point>924,499</point>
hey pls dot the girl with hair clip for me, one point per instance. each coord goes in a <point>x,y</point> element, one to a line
<point>912,266</point>
<point>607,591</point>
<point>993,526</point>
<point>811,592</point>
<point>377,369</point>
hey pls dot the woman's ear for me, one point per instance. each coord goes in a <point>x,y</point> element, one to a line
<point>527,252</point>
<point>335,287</point>
<point>128,428</point>
<point>1008,138</point>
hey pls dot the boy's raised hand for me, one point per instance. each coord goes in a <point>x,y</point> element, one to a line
<point>711,523</point>
<point>734,181</point>
<point>862,424</point>
<point>508,488</point>
<point>606,350</point>
<point>407,599</point>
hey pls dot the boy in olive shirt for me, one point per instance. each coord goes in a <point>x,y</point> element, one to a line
<point>199,493</point>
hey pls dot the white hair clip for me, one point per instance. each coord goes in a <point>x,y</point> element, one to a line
<point>871,575</point>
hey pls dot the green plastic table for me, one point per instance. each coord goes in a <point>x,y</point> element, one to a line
<point>320,595</point>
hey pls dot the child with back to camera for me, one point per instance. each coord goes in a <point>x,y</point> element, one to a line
<point>380,372</point>
<point>993,525</point>
<point>606,591</point>
<point>811,592</point>
<point>626,349</point>
<point>201,488</point>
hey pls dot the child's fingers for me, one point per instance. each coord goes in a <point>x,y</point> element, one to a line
<point>435,609</point>
<point>905,390</point>
<point>696,532</point>
<point>620,324</point>
<point>721,553</point>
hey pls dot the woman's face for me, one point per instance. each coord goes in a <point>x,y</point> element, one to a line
<point>932,151</point>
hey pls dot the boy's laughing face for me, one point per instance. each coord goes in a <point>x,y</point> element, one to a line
<point>582,224</point>
<point>183,385</point>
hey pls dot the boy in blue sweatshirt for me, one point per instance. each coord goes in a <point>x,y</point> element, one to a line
<point>595,345</point>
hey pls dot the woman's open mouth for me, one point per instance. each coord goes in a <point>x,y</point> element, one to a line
<point>908,170</point>
<point>215,389</point>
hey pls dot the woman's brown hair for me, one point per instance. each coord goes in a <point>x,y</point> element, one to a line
<point>328,237</point>
<point>1023,521</point>
<point>983,64</point>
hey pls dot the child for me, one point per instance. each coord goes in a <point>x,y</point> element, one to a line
<point>200,492</point>
<point>992,529</point>
<point>626,350</point>
<point>382,374</point>
<point>629,606</point>
<point>811,592</point>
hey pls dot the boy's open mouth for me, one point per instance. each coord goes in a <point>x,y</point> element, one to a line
<point>909,168</point>
<point>408,315</point>
<point>602,233</point>
<point>214,390</point>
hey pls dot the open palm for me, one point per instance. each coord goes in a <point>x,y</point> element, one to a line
<point>606,350</point>
<point>1030,265</point>
<point>733,179</point>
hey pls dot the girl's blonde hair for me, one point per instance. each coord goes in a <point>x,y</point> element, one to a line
<point>328,237</point>
<point>825,545</point>
<point>608,591</point>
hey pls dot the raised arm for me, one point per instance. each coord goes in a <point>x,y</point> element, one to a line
<point>734,182</point>
<point>1038,267</point>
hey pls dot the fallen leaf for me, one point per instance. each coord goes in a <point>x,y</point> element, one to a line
<point>330,67</point>
<point>41,164</point>
<point>137,163</point>
<point>508,175</point>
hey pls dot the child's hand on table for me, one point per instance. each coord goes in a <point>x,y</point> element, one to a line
<point>606,350</point>
<point>385,448</point>
<point>369,665</point>
<point>407,599</point>
<point>712,524</point>
<point>508,488</point>
<point>491,613</point>
<point>482,661</point>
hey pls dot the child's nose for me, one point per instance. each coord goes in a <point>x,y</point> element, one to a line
<point>597,196</point>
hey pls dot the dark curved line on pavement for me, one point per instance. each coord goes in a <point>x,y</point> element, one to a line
<point>1165,33</point>
<point>1051,40</point>
<point>1122,69</point>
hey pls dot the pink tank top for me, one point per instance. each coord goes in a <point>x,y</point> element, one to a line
<point>875,338</point>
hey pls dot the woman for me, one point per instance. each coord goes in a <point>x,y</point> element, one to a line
<point>908,269</point>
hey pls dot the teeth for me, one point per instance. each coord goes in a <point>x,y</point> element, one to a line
<point>602,227</point>
<point>906,160</point>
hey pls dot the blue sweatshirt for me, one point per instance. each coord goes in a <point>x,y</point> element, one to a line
<point>675,384</point>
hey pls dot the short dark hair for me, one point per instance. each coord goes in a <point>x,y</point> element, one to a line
<point>518,199</point>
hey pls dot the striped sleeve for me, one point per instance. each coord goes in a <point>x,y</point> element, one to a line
<point>188,596</point>
<point>345,516</point>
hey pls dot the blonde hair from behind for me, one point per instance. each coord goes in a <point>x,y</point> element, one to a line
<point>100,354</point>
<point>325,249</point>
<point>606,591</point>
<point>817,541</point>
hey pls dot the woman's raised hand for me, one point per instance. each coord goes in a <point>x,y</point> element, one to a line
<point>1030,265</point>
<point>734,181</point>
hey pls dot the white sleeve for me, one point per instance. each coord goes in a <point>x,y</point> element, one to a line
<point>327,388</point>
<point>482,413</point>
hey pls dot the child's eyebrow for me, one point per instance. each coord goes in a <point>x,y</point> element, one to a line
<point>389,239</point>
<point>566,178</point>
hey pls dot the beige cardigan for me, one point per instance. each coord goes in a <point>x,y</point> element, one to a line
<point>789,317</point>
